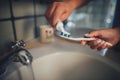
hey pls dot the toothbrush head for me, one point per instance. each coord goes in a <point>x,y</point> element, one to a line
<point>65,34</point>
<point>60,29</point>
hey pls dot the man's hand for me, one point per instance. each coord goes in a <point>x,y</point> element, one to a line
<point>58,11</point>
<point>102,36</point>
<point>62,10</point>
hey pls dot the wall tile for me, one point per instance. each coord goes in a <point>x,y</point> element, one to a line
<point>4,9</point>
<point>23,8</point>
<point>41,21</point>
<point>25,29</point>
<point>41,9</point>
<point>6,36</point>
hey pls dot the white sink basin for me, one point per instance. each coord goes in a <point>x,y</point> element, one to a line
<point>66,66</point>
<point>73,66</point>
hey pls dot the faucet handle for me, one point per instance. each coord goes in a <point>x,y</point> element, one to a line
<point>21,43</point>
<point>18,44</point>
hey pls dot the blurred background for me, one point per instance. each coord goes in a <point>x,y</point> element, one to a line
<point>96,15</point>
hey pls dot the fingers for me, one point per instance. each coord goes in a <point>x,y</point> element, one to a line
<point>109,44</point>
<point>56,17</point>
<point>57,11</point>
<point>99,44</point>
<point>50,12</point>
<point>103,46</point>
<point>83,42</point>
<point>96,44</point>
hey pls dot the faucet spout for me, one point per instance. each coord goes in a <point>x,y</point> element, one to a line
<point>25,57</point>
<point>17,54</point>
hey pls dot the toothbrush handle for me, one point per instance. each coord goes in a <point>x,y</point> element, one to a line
<point>107,43</point>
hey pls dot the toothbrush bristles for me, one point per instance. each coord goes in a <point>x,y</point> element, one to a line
<point>64,34</point>
<point>61,33</point>
<point>69,35</point>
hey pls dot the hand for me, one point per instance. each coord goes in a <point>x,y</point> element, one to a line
<point>58,11</point>
<point>102,36</point>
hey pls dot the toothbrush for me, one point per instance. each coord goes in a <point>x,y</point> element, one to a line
<point>64,34</point>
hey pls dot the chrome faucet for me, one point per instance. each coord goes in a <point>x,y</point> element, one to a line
<point>17,54</point>
<point>22,55</point>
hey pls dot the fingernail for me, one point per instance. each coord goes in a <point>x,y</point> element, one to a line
<point>86,35</point>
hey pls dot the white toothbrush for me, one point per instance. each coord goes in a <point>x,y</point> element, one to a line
<point>64,34</point>
<point>75,39</point>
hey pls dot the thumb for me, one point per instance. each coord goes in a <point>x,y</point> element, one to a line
<point>93,34</point>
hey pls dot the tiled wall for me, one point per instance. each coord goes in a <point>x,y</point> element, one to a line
<point>6,30</point>
<point>19,19</point>
<point>24,16</point>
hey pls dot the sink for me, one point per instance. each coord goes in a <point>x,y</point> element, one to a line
<point>64,60</point>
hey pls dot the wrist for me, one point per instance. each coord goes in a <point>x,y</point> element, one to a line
<point>117,29</point>
<point>76,3</point>
<point>73,4</point>
<point>70,5</point>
